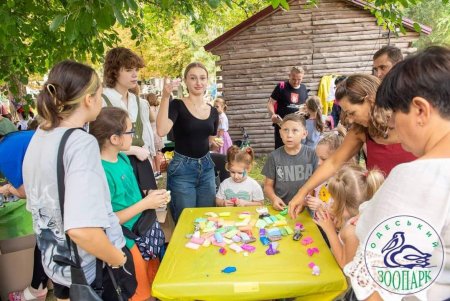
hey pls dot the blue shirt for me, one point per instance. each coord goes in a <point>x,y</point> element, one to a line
<point>12,151</point>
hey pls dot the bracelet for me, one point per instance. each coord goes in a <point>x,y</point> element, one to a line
<point>120,265</point>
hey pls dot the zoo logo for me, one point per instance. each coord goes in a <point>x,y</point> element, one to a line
<point>406,254</point>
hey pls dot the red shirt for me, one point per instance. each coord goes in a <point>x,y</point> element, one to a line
<point>386,157</point>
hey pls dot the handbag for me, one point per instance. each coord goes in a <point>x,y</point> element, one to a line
<point>79,289</point>
<point>148,235</point>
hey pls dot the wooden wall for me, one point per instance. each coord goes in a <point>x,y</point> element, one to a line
<point>334,38</point>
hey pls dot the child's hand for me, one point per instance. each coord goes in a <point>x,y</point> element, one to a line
<point>5,189</point>
<point>324,220</point>
<point>243,203</point>
<point>228,203</point>
<point>278,204</point>
<point>313,203</point>
<point>156,199</point>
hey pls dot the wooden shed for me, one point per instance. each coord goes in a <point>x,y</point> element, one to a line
<point>337,37</point>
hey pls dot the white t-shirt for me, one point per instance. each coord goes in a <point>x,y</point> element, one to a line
<point>223,122</point>
<point>248,190</point>
<point>87,198</point>
<point>147,133</point>
<point>421,189</point>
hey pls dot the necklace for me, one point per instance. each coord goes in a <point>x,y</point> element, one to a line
<point>195,106</point>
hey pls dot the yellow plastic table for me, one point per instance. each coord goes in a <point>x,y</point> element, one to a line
<point>187,274</point>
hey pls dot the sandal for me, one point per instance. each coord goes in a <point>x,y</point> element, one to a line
<point>27,295</point>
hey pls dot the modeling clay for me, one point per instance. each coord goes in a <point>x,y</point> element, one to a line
<point>260,224</point>
<point>231,233</point>
<point>228,270</point>
<point>227,241</point>
<point>211,214</point>
<point>223,251</point>
<point>272,250</point>
<point>197,240</point>
<point>235,248</point>
<point>297,233</point>
<point>248,248</point>
<point>191,245</point>
<point>262,210</point>
<point>315,268</point>
<point>236,238</point>
<point>280,217</point>
<point>280,223</point>
<point>224,214</point>
<point>307,240</point>
<point>284,212</point>
<point>218,237</point>
<point>268,220</point>
<point>311,251</point>
<point>288,230</point>
<point>206,243</point>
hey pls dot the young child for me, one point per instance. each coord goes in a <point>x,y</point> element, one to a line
<point>114,133</point>
<point>326,146</point>
<point>314,123</point>
<point>349,188</point>
<point>222,130</point>
<point>287,168</point>
<point>239,189</point>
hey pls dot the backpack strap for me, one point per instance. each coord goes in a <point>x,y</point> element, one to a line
<point>108,102</point>
<point>138,126</point>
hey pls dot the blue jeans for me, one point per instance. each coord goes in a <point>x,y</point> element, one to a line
<point>191,182</point>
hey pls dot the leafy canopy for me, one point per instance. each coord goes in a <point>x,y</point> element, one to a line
<point>35,34</point>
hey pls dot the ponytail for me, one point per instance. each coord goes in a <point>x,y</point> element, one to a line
<point>67,85</point>
<point>374,180</point>
<point>350,187</point>
<point>313,105</point>
<point>237,155</point>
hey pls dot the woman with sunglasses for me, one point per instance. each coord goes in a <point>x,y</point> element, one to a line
<point>369,125</point>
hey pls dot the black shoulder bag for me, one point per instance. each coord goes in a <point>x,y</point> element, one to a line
<point>79,289</point>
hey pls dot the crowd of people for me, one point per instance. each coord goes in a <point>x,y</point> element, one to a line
<point>397,119</point>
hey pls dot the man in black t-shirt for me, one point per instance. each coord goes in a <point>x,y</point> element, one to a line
<point>286,98</point>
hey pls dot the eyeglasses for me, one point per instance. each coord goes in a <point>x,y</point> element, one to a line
<point>132,132</point>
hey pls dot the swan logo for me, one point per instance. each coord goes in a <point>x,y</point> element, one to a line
<point>404,254</point>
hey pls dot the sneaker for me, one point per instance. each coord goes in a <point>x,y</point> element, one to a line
<point>158,175</point>
<point>28,294</point>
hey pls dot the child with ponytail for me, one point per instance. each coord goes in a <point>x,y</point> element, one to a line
<point>239,189</point>
<point>349,188</point>
<point>314,122</point>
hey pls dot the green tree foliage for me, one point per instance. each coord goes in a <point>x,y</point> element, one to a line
<point>35,34</point>
<point>436,14</point>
